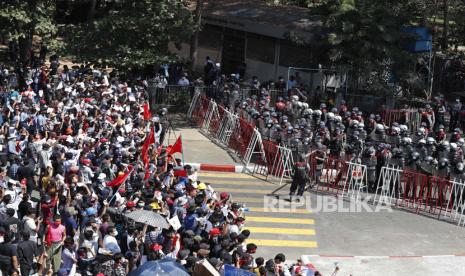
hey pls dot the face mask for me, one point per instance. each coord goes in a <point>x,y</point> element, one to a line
<point>57,223</point>
<point>114,233</point>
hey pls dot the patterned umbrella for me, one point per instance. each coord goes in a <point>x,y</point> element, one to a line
<point>148,217</point>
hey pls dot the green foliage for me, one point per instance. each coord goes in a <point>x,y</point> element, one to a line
<point>133,34</point>
<point>298,3</point>
<point>20,19</point>
<point>458,27</point>
<point>365,35</point>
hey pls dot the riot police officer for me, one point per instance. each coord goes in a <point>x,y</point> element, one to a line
<point>370,160</point>
<point>299,179</point>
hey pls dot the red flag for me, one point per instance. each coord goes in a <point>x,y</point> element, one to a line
<point>147,114</point>
<point>181,173</point>
<point>120,178</point>
<point>177,147</point>
<point>147,172</point>
<point>145,148</point>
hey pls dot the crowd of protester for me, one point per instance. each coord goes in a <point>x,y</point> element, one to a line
<point>73,168</point>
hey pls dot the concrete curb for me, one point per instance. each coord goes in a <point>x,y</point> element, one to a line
<point>219,168</point>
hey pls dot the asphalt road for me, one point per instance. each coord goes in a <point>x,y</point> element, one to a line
<point>387,238</point>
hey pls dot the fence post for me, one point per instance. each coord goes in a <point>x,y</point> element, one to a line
<point>194,101</point>
<point>255,141</point>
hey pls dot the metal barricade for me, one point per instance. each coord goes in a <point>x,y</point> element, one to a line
<point>456,202</point>
<point>283,163</point>
<point>194,104</point>
<point>436,195</point>
<point>241,137</point>
<point>211,112</point>
<point>389,188</point>
<point>228,124</point>
<point>254,147</point>
<point>410,117</point>
<point>263,167</point>
<point>356,181</point>
<point>216,120</point>
<point>199,111</point>
<point>332,177</point>
<point>415,186</point>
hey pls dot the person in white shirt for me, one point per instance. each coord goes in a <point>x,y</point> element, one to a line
<point>183,81</point>
<point>110,244</point>
<point>90,244</point>
<point>236,226</point>
<point>291,83</point>
<point>30,224</point>
<point>160,81</point>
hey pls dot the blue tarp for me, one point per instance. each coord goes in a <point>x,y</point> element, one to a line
<point>422,39</point>
<point>166,266</point>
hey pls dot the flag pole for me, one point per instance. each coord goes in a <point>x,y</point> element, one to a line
<point>182,150</point>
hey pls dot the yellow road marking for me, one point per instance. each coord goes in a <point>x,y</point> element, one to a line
<point>286,209</point>
<point>215,182</point>
<point>255,200</point>
<point>224,175</point>
<point>243,191</point>
<point>283,243</point>
<point>287,231</point>
<point>279,220</point>
<point>247,199</point>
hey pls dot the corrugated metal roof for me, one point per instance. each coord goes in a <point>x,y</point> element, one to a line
<point>291,18</point>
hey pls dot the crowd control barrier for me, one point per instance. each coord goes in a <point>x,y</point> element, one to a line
<point>389,188</point>
<point>198,110</point>
<point>229,122</point>
<point>410,117</point>
<point>434,195</point>
<point>356,181</point>
<point>440,197</point>
<point>338,176</point>
<point>278,162</point>
<point>455,206</point>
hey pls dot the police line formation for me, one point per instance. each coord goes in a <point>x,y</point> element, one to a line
<point>315,134</point>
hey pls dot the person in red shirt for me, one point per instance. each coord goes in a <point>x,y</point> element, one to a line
<point>54,241</point>
<point>47,207</point>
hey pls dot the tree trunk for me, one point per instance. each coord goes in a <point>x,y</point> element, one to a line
<point>445,27</point>
<point>91,12</point>
<point>25,43</point>
<point>195,36</point>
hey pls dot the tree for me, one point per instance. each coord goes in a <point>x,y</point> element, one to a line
<point>195,36</point>
<point>457,28</point>
<point>21,20</point>
<point>132,34</point>
<point>298,3</point>
<point>366,35</point>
